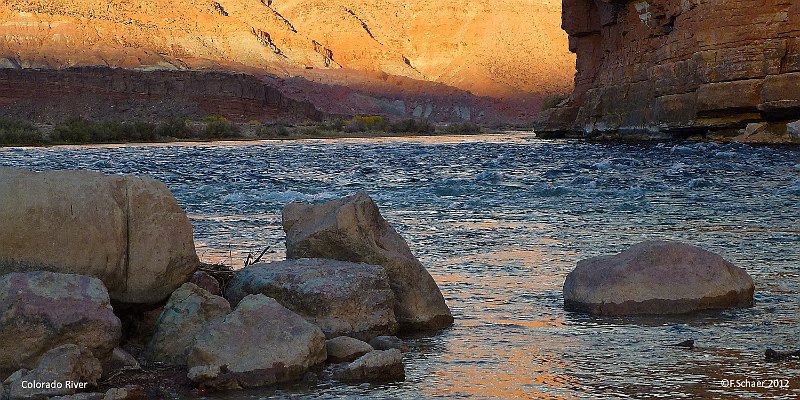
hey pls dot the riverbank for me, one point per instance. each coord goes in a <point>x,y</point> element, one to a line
<point>80,131</point>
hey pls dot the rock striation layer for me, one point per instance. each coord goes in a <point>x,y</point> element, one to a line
<point>676,68</point>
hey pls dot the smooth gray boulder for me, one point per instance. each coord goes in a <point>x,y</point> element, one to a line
<point>345,349</point>
<point>119,360</point>
<point>43,310</point>
<point>377,365</point>
<point>657,277</point>
<point>793,129</point>
<point>61,371</point>
<point>127,231</point>
<point>187,312</point>
<point>341,298</point>
<point>352,229</point>
<point>260,343</point>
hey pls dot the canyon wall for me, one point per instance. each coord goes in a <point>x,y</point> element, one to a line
<point>677,68</point>
<point>51,96</point>
<point>511,52</point>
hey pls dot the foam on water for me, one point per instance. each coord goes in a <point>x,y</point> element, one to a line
<point>499,221</point>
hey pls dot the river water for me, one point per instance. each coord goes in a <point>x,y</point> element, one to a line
<point>499,221</point>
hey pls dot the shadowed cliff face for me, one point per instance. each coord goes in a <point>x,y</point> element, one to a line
<point>682,66</point>
<point>511,53</point>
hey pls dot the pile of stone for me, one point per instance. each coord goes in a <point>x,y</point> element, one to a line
<point>98,275</point>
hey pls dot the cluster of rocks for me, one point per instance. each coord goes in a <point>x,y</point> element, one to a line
<point>98,275</point>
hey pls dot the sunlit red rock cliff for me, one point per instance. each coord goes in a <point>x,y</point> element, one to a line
<point>440,59</point>
<point>713,68</point>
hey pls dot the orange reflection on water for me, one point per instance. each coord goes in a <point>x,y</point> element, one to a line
<point>506,372</point>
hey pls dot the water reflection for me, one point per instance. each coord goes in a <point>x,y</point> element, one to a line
<point>500,221</point>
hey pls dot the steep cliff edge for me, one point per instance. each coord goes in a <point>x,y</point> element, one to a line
<point>719,69</point>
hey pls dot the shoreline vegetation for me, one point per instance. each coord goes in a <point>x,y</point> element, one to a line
<point>16,132</point>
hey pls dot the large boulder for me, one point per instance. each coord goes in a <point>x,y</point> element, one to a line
<point>186,313</point>
<point>43,310</point>
<point>377,365</point>
<point>258,344</point>
<point>127,231</point>
<point>352,229</point>
<point>61,371</point>
<point>657,277</point>
<point>341,298</point>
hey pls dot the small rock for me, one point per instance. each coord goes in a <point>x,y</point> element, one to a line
<point>310,378</point>
<point>65,364</point>
<point>772,355</point>
<point>214,376</point>
<point>188,310</point>
<point>689,344</point>
<point>793,128</point>
<point>377,365</point>
<point>120,359</point>
<point>388,342</point>
<point>346,349</point>
<point>207,282</point>
<point>130,392</point>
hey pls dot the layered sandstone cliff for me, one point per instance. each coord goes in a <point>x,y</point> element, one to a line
<point>719,68</point>
<point>506,55</point>
<point>50,96</point>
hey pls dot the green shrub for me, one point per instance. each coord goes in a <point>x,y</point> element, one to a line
<point>16,132</point>
<point>176,128</point>
<point>463,128</point>
<point>81,130</point>
<point>411,126</point>
<point>219,127</point>
<point>272,130</point>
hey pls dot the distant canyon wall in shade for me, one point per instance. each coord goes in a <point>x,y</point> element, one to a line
<point>681,67</point>
<point>511,52</point>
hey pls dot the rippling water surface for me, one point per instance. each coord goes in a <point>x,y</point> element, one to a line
<point>499,221</point>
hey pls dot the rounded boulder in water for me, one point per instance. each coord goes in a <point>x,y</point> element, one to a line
<point>657,277</point>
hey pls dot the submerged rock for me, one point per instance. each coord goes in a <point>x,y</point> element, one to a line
<point>657,277</point>
<point>772,355</point>
<point>352,229</point>
<point>61,371</point>
<point>341,298</point>
<point>43,310</point>
<point>388,342</point>
<point>188,310</point>
<point>346,349</point>
<point>127,231</point>
<point>377,365</point>
<point>258,344</point>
